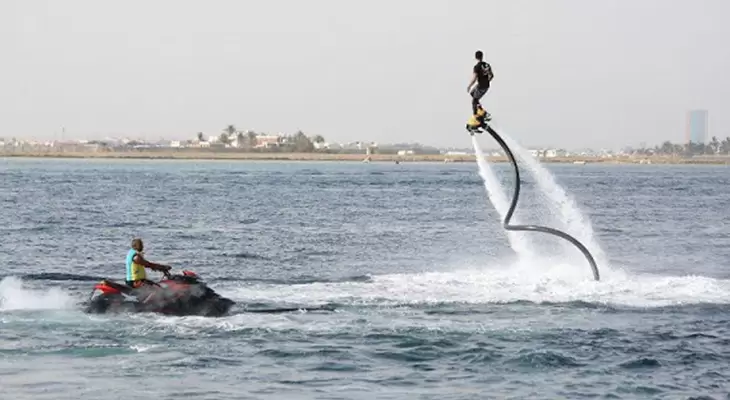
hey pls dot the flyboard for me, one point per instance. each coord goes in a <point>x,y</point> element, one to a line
<point>516,196</point>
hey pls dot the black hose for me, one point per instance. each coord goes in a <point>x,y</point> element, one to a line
<point>535,228</point>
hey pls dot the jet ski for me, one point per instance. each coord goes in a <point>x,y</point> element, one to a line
<point>179,295</point>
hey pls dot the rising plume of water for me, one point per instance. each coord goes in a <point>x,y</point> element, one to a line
<point>553,210</point>
<point>519,243</point>
<point>563,209</point>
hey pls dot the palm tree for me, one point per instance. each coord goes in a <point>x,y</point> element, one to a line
<point>302,143</point>
<point>725,146</point>
<point>225,137</point>
<point>239,139</point>
<point>200,136</point>
<point>318,139</point>
<point>667,147</point>
<point>252,141</point>
<point>714,145</point>
<point>688,148</point>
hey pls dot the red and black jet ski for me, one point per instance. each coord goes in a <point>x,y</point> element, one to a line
<point>179,294</point>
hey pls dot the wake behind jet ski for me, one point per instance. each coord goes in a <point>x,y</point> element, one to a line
<point>178,294</point>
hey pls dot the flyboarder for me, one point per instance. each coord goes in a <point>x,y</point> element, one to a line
<point>482,75</point>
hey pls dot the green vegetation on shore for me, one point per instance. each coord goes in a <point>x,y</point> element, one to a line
<point>232,154</point>
<point>232,144</point>
<point>714,147</point>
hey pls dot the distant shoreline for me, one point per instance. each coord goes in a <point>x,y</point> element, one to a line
<point>271,156</point>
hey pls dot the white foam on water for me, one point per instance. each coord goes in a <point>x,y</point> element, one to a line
<point>143,348</point>
<point>14,296</point>
<point>524,281</point>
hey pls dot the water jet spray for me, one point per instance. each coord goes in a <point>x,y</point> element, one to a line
<point>535,228</point>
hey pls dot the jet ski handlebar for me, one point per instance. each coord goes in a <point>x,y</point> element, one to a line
<point>164,272</point>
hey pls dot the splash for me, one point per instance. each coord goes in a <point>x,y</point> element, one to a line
<point>563,209</point>
<point>511,226</point>
<point>519,243</point>
<point>13,296</point>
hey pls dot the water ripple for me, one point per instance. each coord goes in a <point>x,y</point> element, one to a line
<point>420,293</point>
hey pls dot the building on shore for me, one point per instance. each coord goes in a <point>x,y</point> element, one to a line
<point>696,129</point>
<point>268,141</point>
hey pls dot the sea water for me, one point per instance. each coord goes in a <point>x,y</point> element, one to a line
<point>430,301</point>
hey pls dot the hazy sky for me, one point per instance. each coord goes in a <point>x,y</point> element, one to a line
<point>567,72</point>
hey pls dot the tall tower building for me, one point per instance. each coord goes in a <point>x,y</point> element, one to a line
<point>697,126</point>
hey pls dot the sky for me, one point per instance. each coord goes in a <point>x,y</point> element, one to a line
<point>568,73</point>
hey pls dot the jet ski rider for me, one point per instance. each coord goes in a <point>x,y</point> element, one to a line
<point>136,263</point>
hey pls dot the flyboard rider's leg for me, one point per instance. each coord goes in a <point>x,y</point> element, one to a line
<point>479,115</point>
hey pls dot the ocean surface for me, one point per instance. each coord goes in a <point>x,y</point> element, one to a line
<point>428,297</point>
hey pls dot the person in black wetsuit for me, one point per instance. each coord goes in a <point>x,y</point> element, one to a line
<point>482,75</point>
